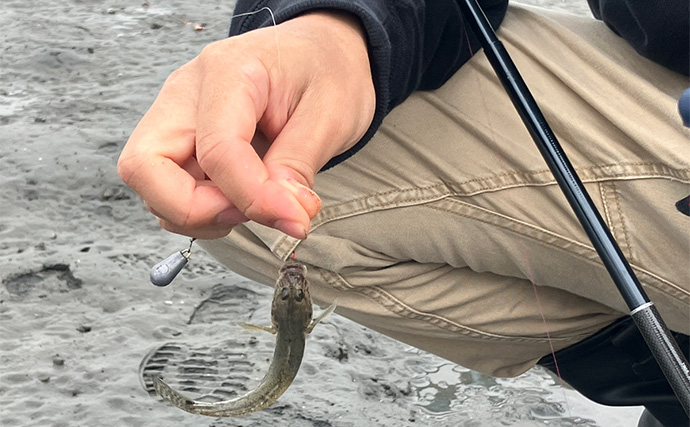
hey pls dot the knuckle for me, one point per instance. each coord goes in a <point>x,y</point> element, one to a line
<point>212,50</point>
<point>252,210</point>
<point>133,163</point>
<point>220,56</point>
<point>304,169</point>
<point>127,166</point>
<point>180,221</point>
<point>209,147</point>
<point>174,77</point>
<point>187,222</point>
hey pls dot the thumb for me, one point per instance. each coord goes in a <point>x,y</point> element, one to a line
<point>307,141</point>
<point>293,164</point>
<point>315,133</point>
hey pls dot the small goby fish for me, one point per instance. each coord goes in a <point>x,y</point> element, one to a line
<point>291,315</point>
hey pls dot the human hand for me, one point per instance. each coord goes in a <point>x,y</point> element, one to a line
<point>239,132</point>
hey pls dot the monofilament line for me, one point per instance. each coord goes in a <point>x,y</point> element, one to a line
<point>273,19</point>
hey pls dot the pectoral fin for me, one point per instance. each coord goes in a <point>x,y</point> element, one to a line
<point>321,316</point>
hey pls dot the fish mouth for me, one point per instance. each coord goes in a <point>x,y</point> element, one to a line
<point>293,268</point>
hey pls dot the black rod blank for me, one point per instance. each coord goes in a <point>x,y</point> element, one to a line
<point>652,327</point>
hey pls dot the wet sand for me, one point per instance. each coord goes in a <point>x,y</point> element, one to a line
<point>79,322</point>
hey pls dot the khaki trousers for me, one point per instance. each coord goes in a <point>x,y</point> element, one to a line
<point>448,232</point>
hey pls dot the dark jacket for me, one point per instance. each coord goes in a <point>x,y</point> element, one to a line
<point>419,44</point>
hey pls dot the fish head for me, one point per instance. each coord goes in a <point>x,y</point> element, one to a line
<point>291,300</point>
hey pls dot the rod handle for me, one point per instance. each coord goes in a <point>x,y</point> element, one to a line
<point>665,350</point>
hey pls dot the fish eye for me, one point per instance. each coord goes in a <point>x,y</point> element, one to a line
<point>284,293</point>
<point>299,295</point>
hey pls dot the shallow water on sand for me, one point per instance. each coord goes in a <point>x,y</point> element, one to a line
<point>77,316</point>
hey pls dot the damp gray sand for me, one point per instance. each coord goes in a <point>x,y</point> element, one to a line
<point>81,328</point>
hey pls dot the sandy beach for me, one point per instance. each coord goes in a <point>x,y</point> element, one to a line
<point>81,328</point>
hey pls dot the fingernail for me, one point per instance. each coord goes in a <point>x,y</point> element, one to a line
<point>306,196</point>
<point>296,187</point>
<point>294,229</point>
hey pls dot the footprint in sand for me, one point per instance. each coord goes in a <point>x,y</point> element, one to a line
<point>40,283</point>
<point>212,371</point>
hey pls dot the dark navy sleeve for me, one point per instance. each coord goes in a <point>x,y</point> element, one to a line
<point>657,29</point>
<point>413,44</point>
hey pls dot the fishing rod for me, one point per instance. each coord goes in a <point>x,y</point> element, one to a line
<point>643,312</point>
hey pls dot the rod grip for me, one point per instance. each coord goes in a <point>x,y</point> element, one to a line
<point>665,350</point>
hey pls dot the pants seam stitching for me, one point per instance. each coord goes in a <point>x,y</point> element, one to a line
<point>454,188</point>
<point>397,307</point>
<point>665,285</point>
<point>621,220</point>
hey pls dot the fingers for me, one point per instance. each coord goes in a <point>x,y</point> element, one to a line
<point>227,116</point>
<point>235,136</point>
<point>201,228</point>
<point>191,155</point>
<point>305,109</point>
<point>158,163</point>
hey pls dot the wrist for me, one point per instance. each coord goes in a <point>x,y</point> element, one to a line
<point>336,23</point>
<point>338,31</point>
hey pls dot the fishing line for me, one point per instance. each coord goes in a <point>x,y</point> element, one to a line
<point>649,322</point>
<point>530,276</point>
